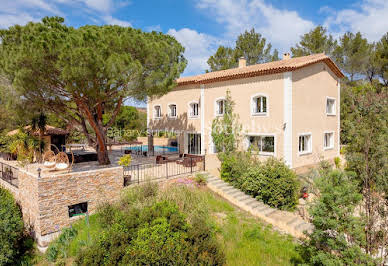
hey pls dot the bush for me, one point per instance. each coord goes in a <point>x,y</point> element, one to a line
<point>279,186</point>
<point>150,227</point>
<point>272,181</point>
<point>58,248</point>
<point>234,165</point>
<point>338,237</point>
<point>11,228</point>
<point>200,179</point>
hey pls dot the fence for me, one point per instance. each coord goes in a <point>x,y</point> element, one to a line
<point>157,150</point>
<point>9,174</point>
<point>163,170</point>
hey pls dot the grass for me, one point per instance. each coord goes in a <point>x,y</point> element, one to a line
<point>245,239</point>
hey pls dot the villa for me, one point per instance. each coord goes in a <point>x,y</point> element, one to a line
<point>288,109</point>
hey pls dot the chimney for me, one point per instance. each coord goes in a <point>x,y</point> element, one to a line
<point>286,56</point>
<point>242,62</point>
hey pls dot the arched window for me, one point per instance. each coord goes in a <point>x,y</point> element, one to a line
<point>220,107</point>
<point>259,105</point>
<point>172,110</point>
<point>157,111</point>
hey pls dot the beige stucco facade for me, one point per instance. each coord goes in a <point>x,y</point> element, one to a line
<point>296,104</point>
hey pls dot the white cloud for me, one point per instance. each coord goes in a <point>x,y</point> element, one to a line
<point>199,47</point>
<point>99,5</point>
<point>23,11</point>
<point>370,18</point>
<point>282,28</point>
<point>114,21</point>
<point>154,28</point>
<point>7,20</point>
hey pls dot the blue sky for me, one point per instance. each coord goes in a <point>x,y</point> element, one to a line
<point>202,25</point>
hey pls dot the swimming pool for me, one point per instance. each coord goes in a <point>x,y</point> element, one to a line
<point>156,148</point>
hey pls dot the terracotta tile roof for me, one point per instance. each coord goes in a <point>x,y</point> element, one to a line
<point>50,130</point>
<point>262,69</point>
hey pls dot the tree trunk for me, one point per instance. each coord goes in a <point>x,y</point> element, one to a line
<point>102,155</point>
<point>101,149</point>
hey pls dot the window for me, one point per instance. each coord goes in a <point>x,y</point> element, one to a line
<point>264,144</point>
<point>328,141</point>
<point>259,105</point>
<point>78,209</point>
<point>194,143</point>
<point>194,110</point>
<point>330,106</point>
<point>172,110</point>
<point>157,111</point>
<point>305,143</point>
<point>220,107</point>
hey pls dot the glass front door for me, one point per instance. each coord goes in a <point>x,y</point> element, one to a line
<point>194,143</point>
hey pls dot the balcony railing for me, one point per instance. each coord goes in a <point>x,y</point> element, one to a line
<point>9,174</point>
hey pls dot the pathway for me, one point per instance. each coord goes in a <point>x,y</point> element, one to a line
<point>286,221</point>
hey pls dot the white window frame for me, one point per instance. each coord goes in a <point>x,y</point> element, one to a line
<point>169,110</point>
<point>334,107</point>
<point>264,153</point>
<point>154,111</point>
<point>332,141</point>
<point>216,106</point>
<point>253,104</point>
<point>190,110</point>
<point>310,148</point>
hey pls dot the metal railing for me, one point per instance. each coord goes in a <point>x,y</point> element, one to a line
<point>9,174</point>
<point>139,173</point>
<point>161,150</point>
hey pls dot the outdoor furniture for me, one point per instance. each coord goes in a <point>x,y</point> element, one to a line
<point>83,156</point>
<point>160,159</point>
<point>63,162</point>
<point>76,146</point>
<point>49,159</point>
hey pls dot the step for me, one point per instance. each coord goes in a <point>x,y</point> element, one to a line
<point>246,202</point>
<point>293,221</point>
<point>261,206</point>
<point>242,197</point>
<point>218,181</point>
<point>267,212</point>
<point>220,185</point>
<point>235,192</point>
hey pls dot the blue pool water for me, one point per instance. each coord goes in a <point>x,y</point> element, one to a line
<point>156,148</point>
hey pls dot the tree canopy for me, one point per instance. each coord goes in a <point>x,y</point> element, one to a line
<point>79,74</point>
<point>315,41</point>
<point>250,45</point>
<point>352,54</point>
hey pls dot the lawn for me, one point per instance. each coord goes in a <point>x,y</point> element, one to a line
<point>245,239</point>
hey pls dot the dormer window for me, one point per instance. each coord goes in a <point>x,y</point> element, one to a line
<point>259,105</point>
<point>194,110</point>
<point>220,107</point>
<point>330,106</point>
<point>172,110</point>
<point>157,111</point>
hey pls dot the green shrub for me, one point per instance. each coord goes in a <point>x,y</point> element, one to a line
<point>11,228</point>
<point>150,227</point>
<point>57,249</point>
<point>272,181</point>
<point>200,179</point>
<point>234,165</point>
<point>279,186</point>
<point>337,162</point>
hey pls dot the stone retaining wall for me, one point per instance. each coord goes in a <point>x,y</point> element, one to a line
<point>44,201</point>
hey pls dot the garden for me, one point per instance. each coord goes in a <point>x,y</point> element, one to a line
<point>177,223</point>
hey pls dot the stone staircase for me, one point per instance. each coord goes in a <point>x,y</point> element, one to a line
<point>285,221</point>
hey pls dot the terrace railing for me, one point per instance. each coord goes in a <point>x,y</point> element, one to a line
<point>158,150</point>
<point>9,174</point>
<point>139,173</point>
